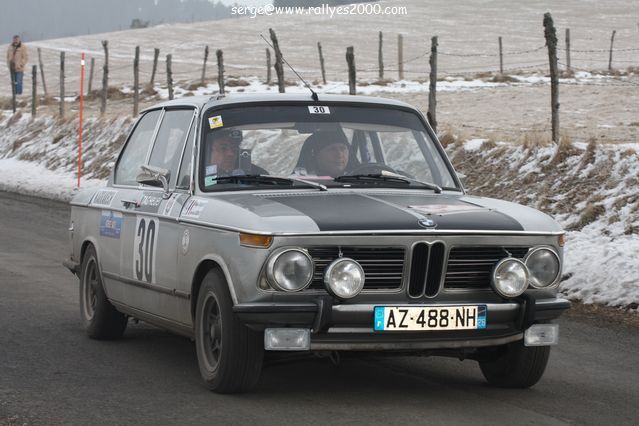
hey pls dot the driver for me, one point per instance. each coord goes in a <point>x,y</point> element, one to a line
<point>223,155</point>
<point>330,152</point>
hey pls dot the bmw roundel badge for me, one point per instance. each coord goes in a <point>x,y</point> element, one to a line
<point>426,223</point>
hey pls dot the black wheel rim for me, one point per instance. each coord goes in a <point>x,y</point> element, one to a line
<point>89,289</point>
<point>212,332</point>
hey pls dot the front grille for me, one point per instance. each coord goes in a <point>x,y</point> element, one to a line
<point>383,266</point>
<point>426,269</point>
<point>471,267</point>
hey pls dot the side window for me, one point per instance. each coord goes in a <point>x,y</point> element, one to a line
<point>185,169</point>
<point>170,141</point>
<point>135,151</point>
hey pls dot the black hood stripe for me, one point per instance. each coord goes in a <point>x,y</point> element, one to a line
<point>354,212</point>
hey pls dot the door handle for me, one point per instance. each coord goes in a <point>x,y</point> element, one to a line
<point>127,203</point>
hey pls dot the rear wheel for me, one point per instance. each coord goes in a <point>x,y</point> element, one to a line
<point>515,365</point>
<point>229,353</point>
<point>101,320</point>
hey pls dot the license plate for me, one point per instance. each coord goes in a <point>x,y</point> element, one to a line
<point>420,318</point>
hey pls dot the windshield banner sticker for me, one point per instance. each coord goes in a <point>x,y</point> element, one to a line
<point>103,197</point>
<point>110,224</point>
<point>194,208</point>
<point>215,122</point>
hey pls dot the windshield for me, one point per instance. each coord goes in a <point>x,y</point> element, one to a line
<point>335,145</point>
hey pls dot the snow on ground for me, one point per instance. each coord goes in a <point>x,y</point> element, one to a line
<point>600,257</point>
<point>34,179</point>
<point>602,269</point>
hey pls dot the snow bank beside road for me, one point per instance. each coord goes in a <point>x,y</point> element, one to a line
<point>30,178</point>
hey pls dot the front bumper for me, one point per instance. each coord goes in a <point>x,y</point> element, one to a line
<point>350,326</point>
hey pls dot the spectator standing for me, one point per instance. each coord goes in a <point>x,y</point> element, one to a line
<point>17,58</point>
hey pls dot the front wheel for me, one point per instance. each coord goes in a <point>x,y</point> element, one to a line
<point>515,365</point>
<point>101,320</point>
<point>229,354</point>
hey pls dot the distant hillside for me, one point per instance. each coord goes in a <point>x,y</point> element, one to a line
<point>39,20</point>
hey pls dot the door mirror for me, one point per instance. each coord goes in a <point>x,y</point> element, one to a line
<point>155,176</point>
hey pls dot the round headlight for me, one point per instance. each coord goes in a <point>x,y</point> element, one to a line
<point>510,277</point>
<point>544,266</point>
<point>344,278</point>
<point>290,270</point>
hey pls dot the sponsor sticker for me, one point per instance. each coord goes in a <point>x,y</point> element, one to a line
<point>186,239</point>
<point>103,197</point>
<point>211,170</point>
<point>110,224</point>
<point>169,205</point>
<point>149,203</point>
<point>442,209</point>
<point>193,208</point>
<point>215,122</point>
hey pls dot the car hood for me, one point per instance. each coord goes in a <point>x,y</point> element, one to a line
<point>374,211</point>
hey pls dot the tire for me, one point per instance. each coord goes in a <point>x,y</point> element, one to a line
<point>229,354</point>
<point>515,365</point>
<point>100,319</point>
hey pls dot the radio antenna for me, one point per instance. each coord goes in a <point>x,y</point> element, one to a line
<point>313,94</point>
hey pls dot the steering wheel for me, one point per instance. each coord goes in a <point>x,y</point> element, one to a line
<point>371,168</point>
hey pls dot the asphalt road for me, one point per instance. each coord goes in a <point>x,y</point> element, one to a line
<point>51,373</point>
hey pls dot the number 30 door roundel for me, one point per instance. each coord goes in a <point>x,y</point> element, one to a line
<point>144,248</point>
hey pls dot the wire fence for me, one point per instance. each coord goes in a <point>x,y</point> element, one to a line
<point>453,63</point>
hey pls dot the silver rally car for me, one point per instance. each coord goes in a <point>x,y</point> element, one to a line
<point>284,223</point>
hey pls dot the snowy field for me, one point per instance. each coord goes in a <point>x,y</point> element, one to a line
<point>468,31</point>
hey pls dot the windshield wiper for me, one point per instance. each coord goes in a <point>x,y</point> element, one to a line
<point>268,179</point>
<point>388,177</point>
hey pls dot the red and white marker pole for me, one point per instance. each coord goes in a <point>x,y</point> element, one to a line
<point>80,127</point>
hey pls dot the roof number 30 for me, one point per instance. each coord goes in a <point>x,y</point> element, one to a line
<point>314,109</point>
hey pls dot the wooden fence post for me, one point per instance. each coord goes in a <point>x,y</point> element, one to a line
<point>350,60</point>
<point>61,84</point>
<point>136,81</point>
<point>34,93</point>
<point>279,66</point>
<point>400,55</point>
<point>169,76</point>
<point>321,58</point>
<point>501,57</point>
<point>44,83</point>
<point>268,67</point>
<point>568,50</point>
<point>432,88</point>
<point>156,54</point>
<point>105,77</point>
<point>551,41</point>
<point>12,76</point>
<point>612,40</point>
<point>380,56</point>
<point>220,70</point>
<point>206,57</point>
<point>89,89</point>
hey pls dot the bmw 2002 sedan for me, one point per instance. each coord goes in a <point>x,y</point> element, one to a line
<point>255,223</point>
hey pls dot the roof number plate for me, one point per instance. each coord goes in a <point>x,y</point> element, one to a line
<point>314,109</point>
